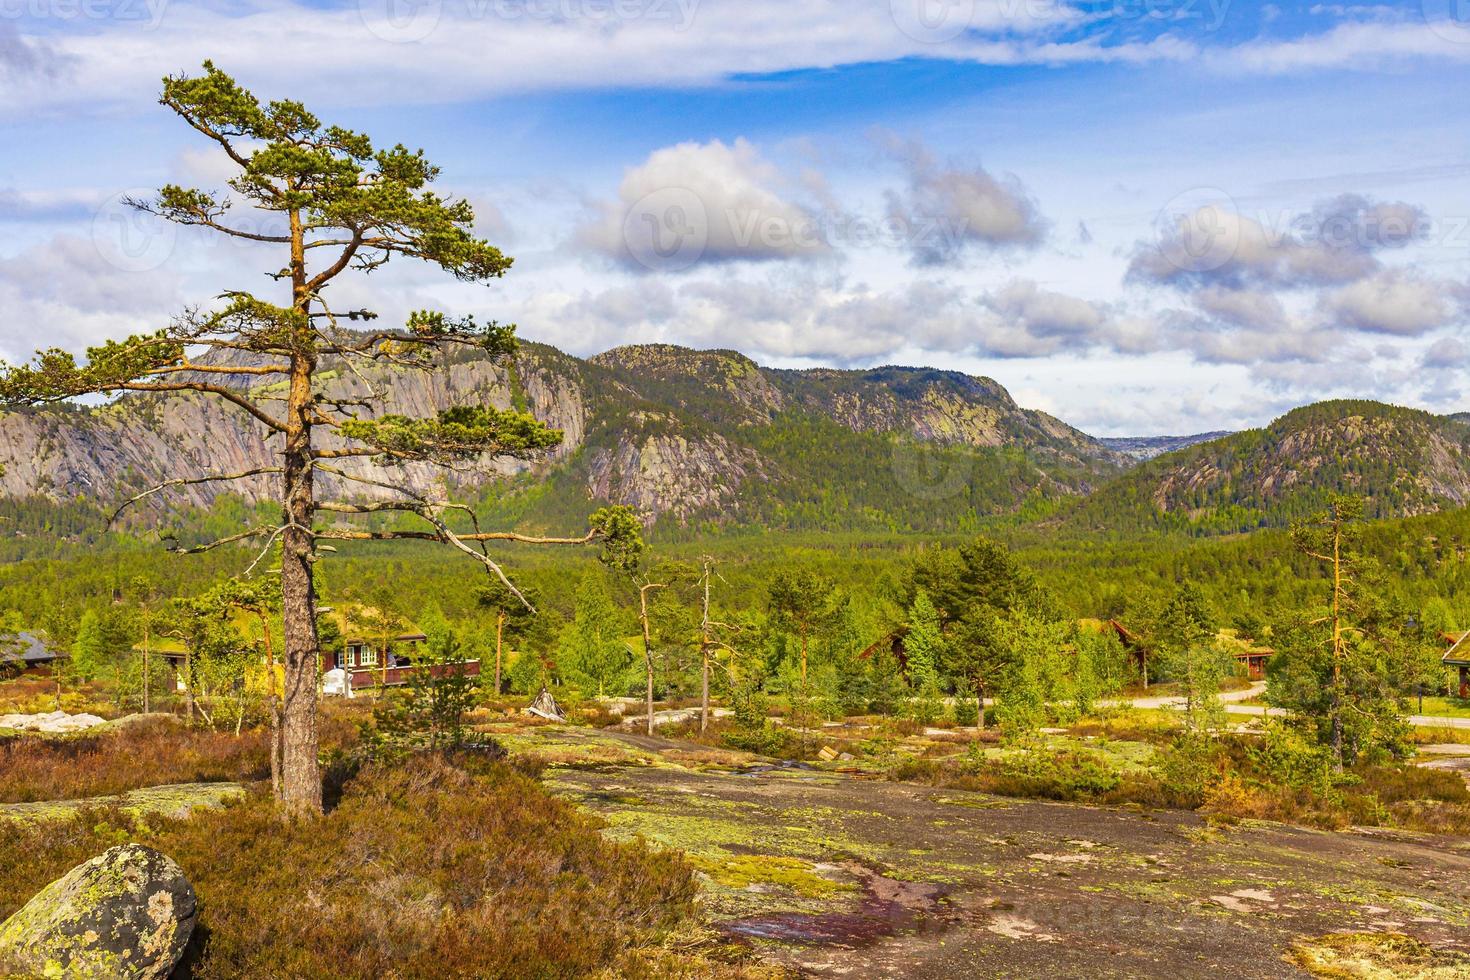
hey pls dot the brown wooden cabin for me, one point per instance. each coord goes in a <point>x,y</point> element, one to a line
<point>1254,660</point>
<point>893,641</point>
<point>359,660</point>
<point>1133,644</point>
<point>26,652</point>
<point>1458,655</point>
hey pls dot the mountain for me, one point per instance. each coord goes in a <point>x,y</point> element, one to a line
<point>1402,460</point>
<point>1147,447</point>
<point>688,438</point>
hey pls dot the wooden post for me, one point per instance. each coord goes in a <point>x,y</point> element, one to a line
<point>704,647</point>
<point>499,641</point>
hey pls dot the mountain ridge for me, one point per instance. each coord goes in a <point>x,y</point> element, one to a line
<point>695,440</point>
<point>683,436</point>
<point>1403,461</point>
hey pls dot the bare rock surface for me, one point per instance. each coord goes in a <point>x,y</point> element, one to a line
<point>53,722</point>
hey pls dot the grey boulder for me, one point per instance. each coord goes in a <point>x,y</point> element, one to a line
<point>127,913</point>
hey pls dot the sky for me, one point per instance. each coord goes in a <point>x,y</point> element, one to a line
<point>1143,216</point>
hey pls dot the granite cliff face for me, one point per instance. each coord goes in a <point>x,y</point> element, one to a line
<point>678,434</point>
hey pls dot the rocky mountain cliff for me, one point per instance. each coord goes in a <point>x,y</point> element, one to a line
<point>1403,461</point>
<point>686,437</point>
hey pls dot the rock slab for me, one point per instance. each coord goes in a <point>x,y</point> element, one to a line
<point>127,913</point>
<point>54,722</point>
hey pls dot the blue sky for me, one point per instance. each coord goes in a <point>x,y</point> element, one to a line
<point>1144,216</point>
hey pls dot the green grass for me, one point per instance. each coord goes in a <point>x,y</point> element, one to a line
<point>1441,707</point>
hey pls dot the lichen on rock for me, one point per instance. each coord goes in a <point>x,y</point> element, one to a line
<point>126,914</point>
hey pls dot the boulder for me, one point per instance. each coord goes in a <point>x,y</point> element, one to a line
<point>545,706</point>
<point>53,722</point>
<point>127,913</point>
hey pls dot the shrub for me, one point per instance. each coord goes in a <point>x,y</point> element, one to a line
<point>966,710</point>
<point>448,865</point>
<point>1230,799</point>
<point>1046,774</point>
<point>147,753</point>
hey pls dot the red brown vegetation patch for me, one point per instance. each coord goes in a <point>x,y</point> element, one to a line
<point>438,867</point>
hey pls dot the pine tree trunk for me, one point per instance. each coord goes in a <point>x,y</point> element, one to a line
<point>301,783</point>
<point>647,650</point>
<point>147,641</point>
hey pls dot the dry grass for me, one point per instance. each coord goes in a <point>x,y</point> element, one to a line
<point>33,692</point>
<point>443,866</point>
<point>1378,955</point>
<point>151,751</point>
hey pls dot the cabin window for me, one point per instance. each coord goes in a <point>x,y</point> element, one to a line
<point>366,656</point>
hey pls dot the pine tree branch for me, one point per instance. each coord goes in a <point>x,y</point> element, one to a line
<point>233,397</point>
<point>185,482</point>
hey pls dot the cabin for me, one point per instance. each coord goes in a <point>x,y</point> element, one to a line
<point>1133,644</point>
<point>363,664</point>
<point>26,652</point>
<point>1458,655</point>
<point>1253,659</point>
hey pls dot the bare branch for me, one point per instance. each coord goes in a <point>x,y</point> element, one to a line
<point>185,482</point>
<point>254,532</point>
<point>187,367</point>
<point>230,396</point>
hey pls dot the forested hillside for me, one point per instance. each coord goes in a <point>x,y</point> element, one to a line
<point>1402,461</point>
<point>690,439</point>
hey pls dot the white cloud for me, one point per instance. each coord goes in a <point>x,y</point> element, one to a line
<point>1359,44</point>
<point>68,292</point>
<point>947,209</point>
<point>702,203</point>
<point>1392,302</point>
<point>454,50</point>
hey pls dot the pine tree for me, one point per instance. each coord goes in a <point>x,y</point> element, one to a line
<point>332,204</point>
<point>924,643</point>
<point>594,650</point>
